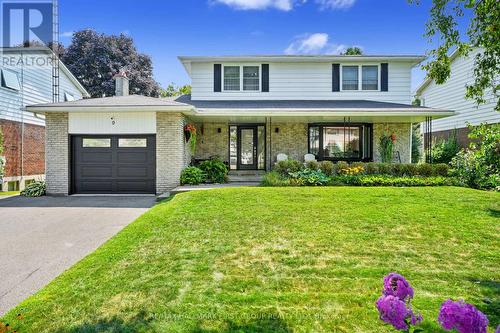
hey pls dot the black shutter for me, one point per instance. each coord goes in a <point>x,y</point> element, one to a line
<point>336,77</point>
<point>217,77</point>
<point>265,77</point>
<point>384,77</point>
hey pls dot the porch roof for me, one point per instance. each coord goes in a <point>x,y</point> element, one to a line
<point>308,108</point>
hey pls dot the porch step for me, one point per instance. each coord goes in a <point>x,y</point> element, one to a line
<point>245,176</point>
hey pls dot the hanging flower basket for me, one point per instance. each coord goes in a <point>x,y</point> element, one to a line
<point>190,136</point>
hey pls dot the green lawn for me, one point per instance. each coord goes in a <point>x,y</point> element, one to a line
<point>279,260</point>
<point>9,193</point>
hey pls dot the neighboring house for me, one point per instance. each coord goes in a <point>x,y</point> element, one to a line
<point>247,110</point>
<point>451,95</point>
<point>26,79</point>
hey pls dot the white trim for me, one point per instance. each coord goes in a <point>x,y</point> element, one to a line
<point>360,77</point>
<point>110,108</point>
<point>241,90</point>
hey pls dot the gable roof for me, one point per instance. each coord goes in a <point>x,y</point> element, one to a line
<point>116,103</point>
<point>46,50</point>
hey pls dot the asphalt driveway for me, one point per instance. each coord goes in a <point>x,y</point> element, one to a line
<point>42,237</point>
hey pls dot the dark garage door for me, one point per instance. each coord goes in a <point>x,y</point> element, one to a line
<point>113,164</point>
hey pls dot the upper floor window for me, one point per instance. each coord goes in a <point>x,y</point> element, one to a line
<point>251,78</point>
<point>10,80</point>
<point>232,78</point>
<point>350,77</point>
<point>235,75</point>
<point>370,78</point>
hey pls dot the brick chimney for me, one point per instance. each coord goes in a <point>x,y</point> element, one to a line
<point>121,83</point>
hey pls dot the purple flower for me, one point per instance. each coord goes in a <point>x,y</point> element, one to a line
<point>396,285</point>
<point>394,311</point>
<point>498,329</point>
<point>463,317</point>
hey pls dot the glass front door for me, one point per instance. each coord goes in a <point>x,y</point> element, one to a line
<point>247,147</point>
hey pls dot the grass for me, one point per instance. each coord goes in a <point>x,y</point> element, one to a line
<point>9,193</point>
<point>279,260</point>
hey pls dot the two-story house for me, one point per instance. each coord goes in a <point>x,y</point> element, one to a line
<point>26,79</point>
<point>451,95</point>
<point>247,110</point>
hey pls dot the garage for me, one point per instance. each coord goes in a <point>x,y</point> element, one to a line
<point>113,164</point>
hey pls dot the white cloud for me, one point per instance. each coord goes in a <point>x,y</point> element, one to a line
<point>335,4</point>
<point>67,34</point>
<point>284,5</point>
<point>316,43</point>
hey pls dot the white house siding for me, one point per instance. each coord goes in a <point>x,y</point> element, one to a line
<point>451,96</point>
<point>112,123</point>
<point>303,81</point>
<point>36,83</point>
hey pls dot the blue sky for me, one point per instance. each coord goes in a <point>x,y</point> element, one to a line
<point>165,29</point>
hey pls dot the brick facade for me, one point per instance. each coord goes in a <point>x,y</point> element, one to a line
<point>57,152</point>
<point>172,152</point>
<point>33,152</point>
<point>291,139</point>
<point>403,139</point>
<point>211,142</point>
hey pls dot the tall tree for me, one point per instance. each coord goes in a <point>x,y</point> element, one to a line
<point>482,33</point>
<point>94,58</point>
<point>172,90</point>
<point>353,50</point>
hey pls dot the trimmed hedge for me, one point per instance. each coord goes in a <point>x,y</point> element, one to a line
<point>372,168</point>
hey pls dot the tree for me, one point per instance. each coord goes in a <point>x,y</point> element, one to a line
<point>416,143</point>
<point>353,50</point>
<point>172,90</point>
<point>94,58</point>
<point>483,33</point>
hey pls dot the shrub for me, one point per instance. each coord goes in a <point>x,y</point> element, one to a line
<point>339,166</point>
<point>410,169</point>
<point>384,180</point>
<point>443,151</point>
<point>384,168</point>
<point>371,168</point>
<point>273,178</point>
<point>440,169</point>
<point>192,176</point>
<point>326,167</point>
<point>424,169</point>
<point>397,169</point>
<point>313,165</point>
<point>35,189</point>
<point>285,167</point>
<point>386,147</point>
<point>215,170</point>
<point>479,166</point>
<point>309,177</point>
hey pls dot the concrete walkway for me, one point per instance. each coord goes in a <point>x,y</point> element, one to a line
<point>187,188</point>
<point>42,237</point>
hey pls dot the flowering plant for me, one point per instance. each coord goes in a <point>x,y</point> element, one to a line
<point>190,135</point>
<point>353,170</point>
<point>394,306</point>
<point>463,317</point>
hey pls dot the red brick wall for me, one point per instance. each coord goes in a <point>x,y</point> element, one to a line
<point>34,148</point>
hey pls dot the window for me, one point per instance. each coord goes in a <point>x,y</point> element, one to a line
<point>232,78</point>
<point>132,142</point>
<point>350,142</point>
<point>350,77</point>
<point>251,78</point>
<point>96,143</point>
<point>370,78</point>
<point>68,97</point>
<point>10,80</point>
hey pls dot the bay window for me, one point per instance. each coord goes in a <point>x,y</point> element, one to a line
<point>337,142</point>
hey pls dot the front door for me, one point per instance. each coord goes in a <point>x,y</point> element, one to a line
<point>247,147</point>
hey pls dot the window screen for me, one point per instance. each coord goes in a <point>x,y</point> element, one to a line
<point>350,77</point>
<point>251,78</point>
<point>370,77</point>
<point>231,78</point>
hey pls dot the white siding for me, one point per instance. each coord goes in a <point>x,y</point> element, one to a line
<point>112,123</point>
<point>451,96</point>
<point>36,83</point>
<point>303,81</point>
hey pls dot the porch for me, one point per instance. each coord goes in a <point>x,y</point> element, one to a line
<point>253,145</point>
